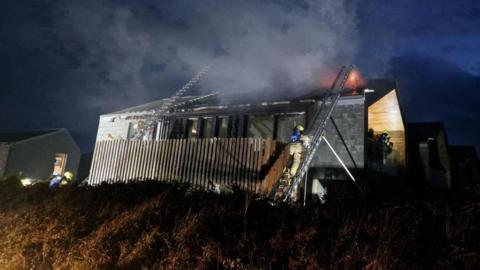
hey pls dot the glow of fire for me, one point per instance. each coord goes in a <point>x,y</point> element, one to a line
<point>355,80</point>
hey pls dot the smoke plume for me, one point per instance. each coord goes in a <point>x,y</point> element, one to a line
<point>135,52</point>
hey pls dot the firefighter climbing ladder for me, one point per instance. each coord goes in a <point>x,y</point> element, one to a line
<point>317,130</point>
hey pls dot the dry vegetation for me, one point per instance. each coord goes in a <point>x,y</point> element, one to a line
<point>158,226</point>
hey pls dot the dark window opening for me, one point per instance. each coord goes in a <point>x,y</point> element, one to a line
<point>260,126</point>
<point>224,127</point>
<point>285,125</point>
<point>178,129</point>
<point>192,128</point>
<point>208,127</point>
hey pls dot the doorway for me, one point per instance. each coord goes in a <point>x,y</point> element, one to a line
<point>60,164</point>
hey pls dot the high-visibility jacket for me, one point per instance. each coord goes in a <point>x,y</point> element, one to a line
<point>295,150</point>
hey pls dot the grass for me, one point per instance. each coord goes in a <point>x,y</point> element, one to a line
<point>154,225</point>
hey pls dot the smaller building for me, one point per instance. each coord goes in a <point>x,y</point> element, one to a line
<point>38,154</point>
<point>465,167</point>
<point>428,153</point>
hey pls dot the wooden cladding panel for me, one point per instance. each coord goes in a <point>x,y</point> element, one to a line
<point>200,162</point>
<point>274,173</point>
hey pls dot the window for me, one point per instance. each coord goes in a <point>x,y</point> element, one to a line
<point>192,128</point>
<point>163,129</point>
<point>285,125</point>
<point>208,128</point>
<point>134,130</point>
<point>260,126</point>
<point>236,130</point>
<point>140,131</point>
<point>177,128</point>
<point>223,127</point>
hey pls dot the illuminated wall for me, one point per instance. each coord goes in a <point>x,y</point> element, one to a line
<point>385,116</point>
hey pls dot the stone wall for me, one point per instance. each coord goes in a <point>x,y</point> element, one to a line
<point>349,115</point>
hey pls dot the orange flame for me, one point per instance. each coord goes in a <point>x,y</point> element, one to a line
<point>355,80</point>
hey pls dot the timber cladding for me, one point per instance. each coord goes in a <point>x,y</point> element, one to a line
<point>242,162</point>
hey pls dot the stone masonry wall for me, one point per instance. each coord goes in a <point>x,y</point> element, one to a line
<point>349,115</point>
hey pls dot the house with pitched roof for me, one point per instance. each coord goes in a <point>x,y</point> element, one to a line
<point>429,155</point>
<point>37,154</point>
<point>465,167</point>
<point>207,140</point>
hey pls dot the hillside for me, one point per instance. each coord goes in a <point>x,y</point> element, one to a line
<point>159,226</point>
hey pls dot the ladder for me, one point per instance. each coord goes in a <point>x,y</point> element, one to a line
<point>164,120</point>
<point>316,130</point>
<point>167,106</point>
<point>161,118</point>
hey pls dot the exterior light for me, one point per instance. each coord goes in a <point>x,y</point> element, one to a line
<point>26,182</point>
<point>368,91</point>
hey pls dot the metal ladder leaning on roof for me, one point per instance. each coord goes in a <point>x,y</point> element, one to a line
<point>167,106</point>
<point>161,115</point>
<point>317,128</point>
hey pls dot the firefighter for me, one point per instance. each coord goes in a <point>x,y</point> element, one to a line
<point>59,179</point>
<point>298,143</point>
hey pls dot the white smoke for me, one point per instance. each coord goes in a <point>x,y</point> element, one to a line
<point>134,53</point>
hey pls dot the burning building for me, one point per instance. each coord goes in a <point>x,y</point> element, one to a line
<point>240,140</point>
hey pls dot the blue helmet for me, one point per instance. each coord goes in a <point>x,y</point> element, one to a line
<point>295,135</point>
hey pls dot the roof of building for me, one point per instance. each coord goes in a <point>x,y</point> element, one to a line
<point>421,131</point>
<point>230,100</point>
<point>144,107</point>
<point>17,136</point>
<point>462,152</point>
<point>259,97</point>
<point>381,87</point>
<point>153,105</point>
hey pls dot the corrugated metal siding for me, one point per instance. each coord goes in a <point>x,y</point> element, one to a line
<point>200,162</point>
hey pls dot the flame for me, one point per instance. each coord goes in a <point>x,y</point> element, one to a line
<point>355,80</point>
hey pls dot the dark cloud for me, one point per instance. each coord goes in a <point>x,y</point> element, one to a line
<point>63,63</point>
<point>66,62</point>
<point>442,29</point>
<point>434,89</point>
<point>475,68</point>
<point>407,19</point>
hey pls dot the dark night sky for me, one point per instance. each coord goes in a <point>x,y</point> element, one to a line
<point>63,63</point>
